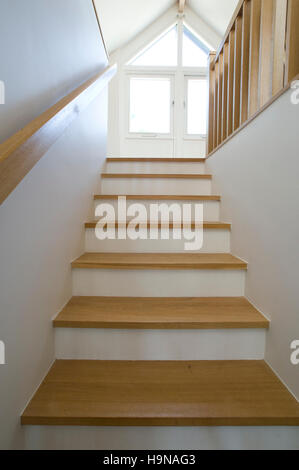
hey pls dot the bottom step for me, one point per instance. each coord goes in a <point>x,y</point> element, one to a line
<point>157,438</point>
<point>162,393</point>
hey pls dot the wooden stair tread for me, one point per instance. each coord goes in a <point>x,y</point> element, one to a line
<point>160,313</point>
<point>206,225</point>
<point>162,393</point>
<point>159,261</point>
<point>158,159</point>
<point>155,197</point>
<point>157,176</point>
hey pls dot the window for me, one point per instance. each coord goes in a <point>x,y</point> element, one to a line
<point>150,105</point>
<point>162,80</point>
<point>162,52</point>
<point>196,106</point>
<point>195,53</point>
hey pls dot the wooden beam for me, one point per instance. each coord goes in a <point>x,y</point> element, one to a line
<point>23,150</point>
<point>182,4</point>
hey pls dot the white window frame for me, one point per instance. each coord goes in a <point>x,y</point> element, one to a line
<point>178,88</point>
<point>189,76</point>
<point>149,135</point>
<point>152,43</point>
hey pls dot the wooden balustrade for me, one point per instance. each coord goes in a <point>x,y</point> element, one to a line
<point>257,59</point>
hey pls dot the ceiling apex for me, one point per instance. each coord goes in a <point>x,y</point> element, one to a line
<point>182,4</point>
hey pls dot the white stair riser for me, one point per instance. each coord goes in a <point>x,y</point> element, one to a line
<point>214,241</point>
<point>159,437</point>
<point>156,186</point>
<point>158,283</point>
<point>211,209</point>
<point>176,345</point>
<point>156,167</point>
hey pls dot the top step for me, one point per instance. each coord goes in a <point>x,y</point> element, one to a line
<point>157,159</point>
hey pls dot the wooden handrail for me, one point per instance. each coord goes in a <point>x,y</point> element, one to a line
<point>23,150</point>
<point>257,59</point>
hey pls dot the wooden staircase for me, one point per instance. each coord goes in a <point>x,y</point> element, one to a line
<point>155,335</point>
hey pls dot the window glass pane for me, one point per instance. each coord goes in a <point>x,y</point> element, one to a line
<point>197,94</point>
<point>150,105</point>
<point>163,52</point>
<point>195,54</point>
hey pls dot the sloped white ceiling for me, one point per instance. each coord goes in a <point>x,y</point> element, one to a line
<point>217,13</point>
<point>122,20</point>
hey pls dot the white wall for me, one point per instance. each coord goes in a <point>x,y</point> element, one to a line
<point>118,143</point>
<point>41,232</point>
<point>47,48</point>
<point>42,221</point>
<point>257,174</point>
